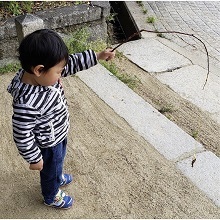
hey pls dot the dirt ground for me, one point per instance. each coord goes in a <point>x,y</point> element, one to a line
<point>117,174</point>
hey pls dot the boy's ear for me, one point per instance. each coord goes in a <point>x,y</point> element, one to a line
<point>38,70</point>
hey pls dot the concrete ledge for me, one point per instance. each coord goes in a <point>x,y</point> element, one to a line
<point>171,141</point>
<point>204,174</point>
<point>147,52</point>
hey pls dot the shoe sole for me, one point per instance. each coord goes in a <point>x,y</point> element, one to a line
<point>57,207</point>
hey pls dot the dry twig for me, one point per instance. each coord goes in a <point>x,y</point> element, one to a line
<point>170,32</point>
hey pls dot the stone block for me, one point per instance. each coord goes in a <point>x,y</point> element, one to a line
<point>104,5</point>
<point>69,16</point>
<point>26,24</point>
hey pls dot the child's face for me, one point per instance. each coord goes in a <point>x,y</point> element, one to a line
<point>51,76</point>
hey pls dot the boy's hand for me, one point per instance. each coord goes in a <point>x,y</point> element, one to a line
<point>106,54</point>
<point>37,166</point>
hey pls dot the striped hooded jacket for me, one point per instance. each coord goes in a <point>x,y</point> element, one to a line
<point>40,114</point>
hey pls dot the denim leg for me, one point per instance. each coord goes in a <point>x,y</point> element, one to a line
<point>64,143</point>
<point>51,174</point>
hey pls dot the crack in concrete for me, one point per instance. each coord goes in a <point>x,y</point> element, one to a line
<point>171,69</point>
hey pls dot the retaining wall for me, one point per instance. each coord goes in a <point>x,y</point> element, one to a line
<point>64,20</point>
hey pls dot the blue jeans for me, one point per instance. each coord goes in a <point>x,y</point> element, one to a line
<point>51,174</point>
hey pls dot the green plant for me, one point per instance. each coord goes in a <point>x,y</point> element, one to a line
<point>110,66</point>
<point>9,68</point>
<point>195,134</point>
<point>164,109</point>
<point>78,2</point>
<point>27,6</point>
<point>12,7</point>
<point>161,35</point>
<point>79,41</point>
<point>144,10</point>
<point>98,45</point>
<point>119,55</point>
<point>131,82</point>
<point>111,17</point>
<point>140,3</point>
<point>151,19</point>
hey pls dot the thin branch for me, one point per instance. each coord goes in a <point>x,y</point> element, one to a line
<point>170,32</point>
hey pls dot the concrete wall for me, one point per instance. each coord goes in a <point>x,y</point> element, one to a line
<point>60,19</point>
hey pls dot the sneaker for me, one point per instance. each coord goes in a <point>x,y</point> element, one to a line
<point>61,201</point>
<point>67,179</point>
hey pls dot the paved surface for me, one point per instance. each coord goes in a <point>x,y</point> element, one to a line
<point>190,75</point>
<point>201,18</point>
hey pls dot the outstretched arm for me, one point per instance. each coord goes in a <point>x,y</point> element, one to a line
<point>81,61</point>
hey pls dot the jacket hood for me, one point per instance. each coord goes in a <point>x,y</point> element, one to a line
<point>19,89</point>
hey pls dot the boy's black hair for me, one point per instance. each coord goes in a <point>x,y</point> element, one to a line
<point>42,47</point>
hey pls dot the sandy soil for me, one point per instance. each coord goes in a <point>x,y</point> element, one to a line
<point>117,173</point>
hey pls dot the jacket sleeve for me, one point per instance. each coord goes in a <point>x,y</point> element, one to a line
<point>80,61</point>
<point>24,121</point>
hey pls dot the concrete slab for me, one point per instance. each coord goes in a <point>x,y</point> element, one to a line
<point>188,82</point>
<point>175,70</point>
<point>164,135</point>
<point>204,174</point>
<point>153,56</point>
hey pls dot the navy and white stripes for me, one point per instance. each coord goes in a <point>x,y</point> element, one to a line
<point>80,61</point>
<point>41,117</point>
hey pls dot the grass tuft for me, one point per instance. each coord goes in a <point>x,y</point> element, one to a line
<point>13,67</point>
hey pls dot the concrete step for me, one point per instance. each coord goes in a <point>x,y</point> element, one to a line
<point>167,138</point>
